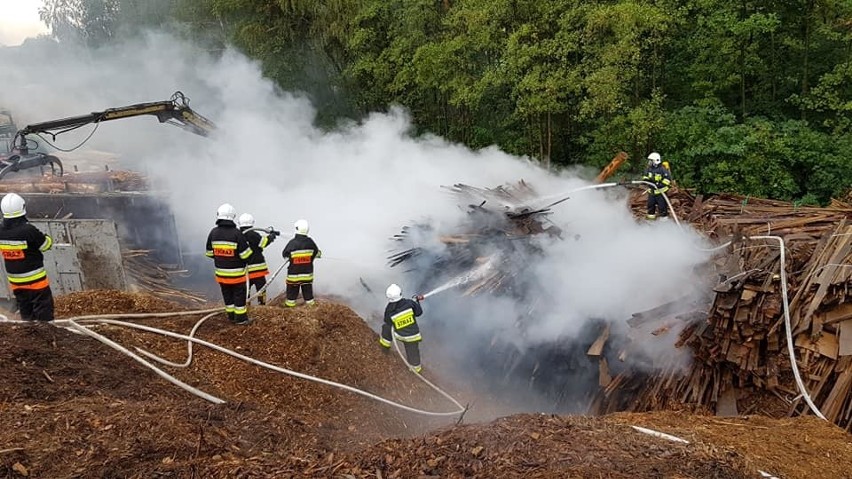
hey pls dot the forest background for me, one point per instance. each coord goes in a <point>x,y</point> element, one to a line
<point>748,97</point>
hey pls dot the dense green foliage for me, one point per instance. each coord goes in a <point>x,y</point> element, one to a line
<point>753,97</point>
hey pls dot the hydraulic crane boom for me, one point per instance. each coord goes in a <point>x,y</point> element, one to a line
<point>175,111</point>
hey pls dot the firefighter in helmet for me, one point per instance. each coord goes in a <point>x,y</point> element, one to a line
<point>257,268</point>
<point>23,247</point>
<point>230,252</point>
<point>400,320</point>
<point>660,176</point>
<point>301,252</point>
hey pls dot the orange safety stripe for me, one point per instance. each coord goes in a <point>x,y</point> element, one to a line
<point>224,280</point>
<point>33,286</point>
<point>258,274</point>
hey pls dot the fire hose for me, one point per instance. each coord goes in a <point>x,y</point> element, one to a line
<point>216,347</point>
<point>783,276</point>
<point>112,319</point>
<point>108,319</point>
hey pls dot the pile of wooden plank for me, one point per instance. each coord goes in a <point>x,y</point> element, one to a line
<point>737,333</point>
<point>147,276</point>
<point>71,182</point>
<point>495,233</point>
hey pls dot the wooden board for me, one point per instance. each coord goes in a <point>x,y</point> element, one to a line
<point>845,342</point>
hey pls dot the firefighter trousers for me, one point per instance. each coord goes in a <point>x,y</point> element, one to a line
<point>258,284</point>
<point>412,346</point>
<point>293,293</point>
<point>35,304</point>
<point>234,296</point>
<point>657,203</point>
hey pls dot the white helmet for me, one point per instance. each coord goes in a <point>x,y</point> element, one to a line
<point>394,293</point>
<point>245,220</point>
<point>654,158</point>
<point>13,206</point>
<point>302,227</point>
<point>226,212</point>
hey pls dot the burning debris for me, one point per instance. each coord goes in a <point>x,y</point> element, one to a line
<point>491,254</point>
<point>487,253</point>
<point>734,330</point>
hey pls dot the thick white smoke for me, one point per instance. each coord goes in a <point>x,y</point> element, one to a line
<point>357,185</point>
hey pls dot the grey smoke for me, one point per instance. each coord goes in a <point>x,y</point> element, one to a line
<point>357,184</point>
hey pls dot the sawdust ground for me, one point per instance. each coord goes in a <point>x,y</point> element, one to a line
<point>801,447</point>
<point>72,407</point>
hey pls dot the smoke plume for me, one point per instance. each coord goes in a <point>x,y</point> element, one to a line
<point>357,185</point>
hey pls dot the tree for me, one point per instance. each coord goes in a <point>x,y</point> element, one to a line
<point>91,22</point>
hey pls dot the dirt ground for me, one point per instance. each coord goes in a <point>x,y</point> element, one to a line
<point>71,406</point>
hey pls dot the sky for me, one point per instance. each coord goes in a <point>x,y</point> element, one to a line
<point>19,20</point>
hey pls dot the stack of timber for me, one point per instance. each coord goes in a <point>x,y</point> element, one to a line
<point>71,182</point>
<point>155,279</point>
<point>738,336</point>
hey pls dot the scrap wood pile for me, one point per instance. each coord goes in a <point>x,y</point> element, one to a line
<point>73,182</point>
<point>156,279</point>
<point>738,339</point>
<point>487,247</point>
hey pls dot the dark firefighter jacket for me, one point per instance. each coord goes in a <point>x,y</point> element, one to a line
<point>301,251</point>
<point>660,177</point>
<point>257,267</point>
<point>229,250</point>
<point>401,315</point>
<point>23,245</point>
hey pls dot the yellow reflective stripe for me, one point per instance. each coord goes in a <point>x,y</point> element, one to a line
<point>224,244</point>
<point>258,267</point>
<point>264,240</point>
<point>209,253</point>
<point>26,277</point>
<point>48,242</point>
<point>666,181</point>
<point>403,318</point>
<point>384,342</point>
<point>240,310</point>
<point>13,245</point>
<point>408,339</point>
<point>301,254</point>
<point>300,278</point>
<point>245,254</point>
<point>230,272</point>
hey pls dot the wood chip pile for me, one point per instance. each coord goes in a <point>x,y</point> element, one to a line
<point>738,338</point>
<point>73,407</point>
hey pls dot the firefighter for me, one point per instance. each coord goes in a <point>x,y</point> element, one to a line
<point>301,251</point>
<point>230,252</point>
<point>257,268</point>
<point>400,320</point>
<point>23,247</point>
<point>662,180</point>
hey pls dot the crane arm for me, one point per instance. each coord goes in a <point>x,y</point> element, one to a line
<point>175,111</point>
